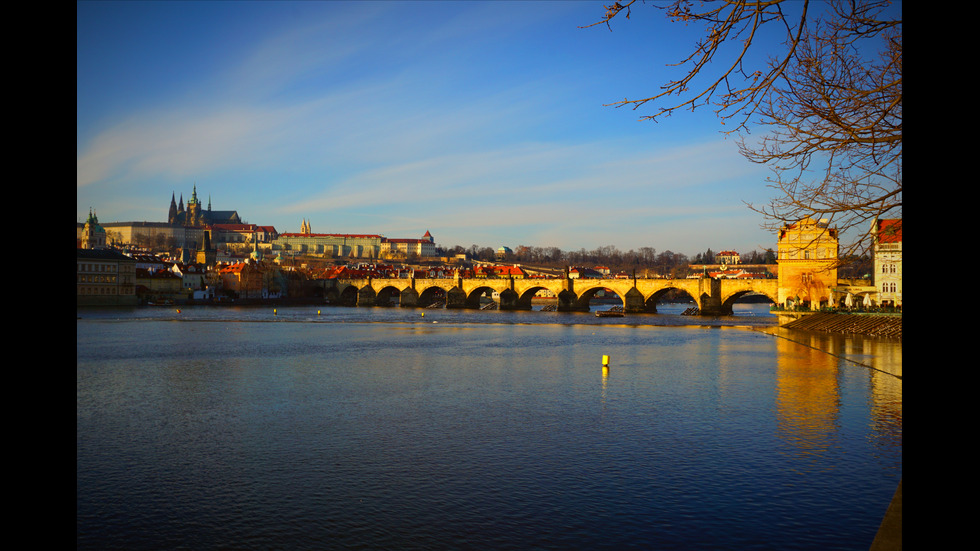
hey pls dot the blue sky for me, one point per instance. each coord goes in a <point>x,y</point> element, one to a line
<point>482,122</point>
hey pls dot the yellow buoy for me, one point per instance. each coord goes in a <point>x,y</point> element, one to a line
<point>318,312</point>
<point>423,314</point>
<point>605,361</point>
<point>275,312</point>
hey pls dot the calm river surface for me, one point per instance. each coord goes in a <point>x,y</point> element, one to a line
<point>381,428</point>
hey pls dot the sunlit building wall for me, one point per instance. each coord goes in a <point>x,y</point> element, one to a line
<point>807,258</point>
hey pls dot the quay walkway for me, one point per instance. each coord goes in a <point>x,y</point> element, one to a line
<point>872,325</point>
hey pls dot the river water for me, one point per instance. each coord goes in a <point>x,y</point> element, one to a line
<point>388,428</point>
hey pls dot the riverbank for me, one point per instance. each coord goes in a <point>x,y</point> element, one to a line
<point>871,325</point>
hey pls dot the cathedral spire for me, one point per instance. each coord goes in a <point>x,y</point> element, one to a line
<point>172,215</point>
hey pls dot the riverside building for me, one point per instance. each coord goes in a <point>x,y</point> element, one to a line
<point>104,277</point>
<point>807,256</point>
<point>888,261</point>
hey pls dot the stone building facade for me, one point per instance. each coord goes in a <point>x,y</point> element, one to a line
<point>104,277</point>
<point>328,245</point>
<point>419,248</point>
<point>807,256</point>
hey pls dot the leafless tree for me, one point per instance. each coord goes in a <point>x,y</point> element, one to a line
<point>829,103</point>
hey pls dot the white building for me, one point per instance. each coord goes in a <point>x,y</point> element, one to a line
<point>888,261</point>
<point>424,247</point>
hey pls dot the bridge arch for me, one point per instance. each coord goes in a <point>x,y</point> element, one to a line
<point>385,295</point>
<point>430,294</point>
<point>526,296</point>
<point>473,295</point>
<point>650,300</point>
<point>346,296</point>
<point>729,300</point>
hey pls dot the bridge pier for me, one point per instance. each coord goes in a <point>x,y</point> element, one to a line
<point>366,296</point>
<point>455,298</point>
<point>711,304</point>
<point>509,300</point>
<point>569,302</point>
<point>408,298</point>
<point>633,302</point>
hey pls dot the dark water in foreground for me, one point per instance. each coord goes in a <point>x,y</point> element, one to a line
<point>383,429</point>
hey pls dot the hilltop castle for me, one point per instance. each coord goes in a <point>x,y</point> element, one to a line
<point>196,216</point>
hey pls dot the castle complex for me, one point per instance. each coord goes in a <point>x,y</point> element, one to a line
<point>195,216</point>
<point>192,226</point>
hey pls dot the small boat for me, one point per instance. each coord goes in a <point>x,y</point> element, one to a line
<point>609,314</point>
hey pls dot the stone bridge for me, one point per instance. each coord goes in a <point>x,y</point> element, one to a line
<point>712,296</point>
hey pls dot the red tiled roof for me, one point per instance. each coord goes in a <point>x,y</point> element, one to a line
<point>233,227</point>
<point>890,230</point>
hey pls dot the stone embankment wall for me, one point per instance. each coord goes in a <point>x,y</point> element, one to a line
<point>869,325</point>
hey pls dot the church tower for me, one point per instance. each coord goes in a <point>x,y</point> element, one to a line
<point>193,218</point>
<point>207,255</point>
<point>93,234</point>
<point>172,217</point>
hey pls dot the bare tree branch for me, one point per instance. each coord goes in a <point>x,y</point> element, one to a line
<point>829,104</point>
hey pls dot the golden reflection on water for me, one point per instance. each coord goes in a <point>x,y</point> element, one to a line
<point>807,395</point>
<point>810,370</point>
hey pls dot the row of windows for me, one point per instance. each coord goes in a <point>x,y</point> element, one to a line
<point>85,290</point>
<point>807,254</point>
<point>96,267</point>
<point>889,268</point>
<point>97,278</point>
<point>889,287</point>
